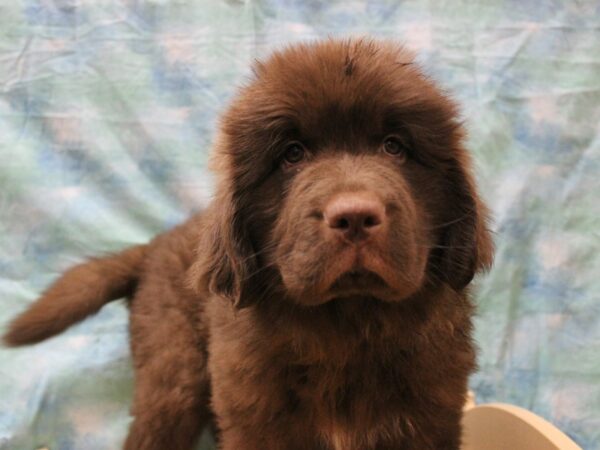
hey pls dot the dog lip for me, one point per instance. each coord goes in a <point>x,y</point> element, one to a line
<point>358,278</point>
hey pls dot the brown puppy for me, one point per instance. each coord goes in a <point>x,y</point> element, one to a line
<point>321,301</point>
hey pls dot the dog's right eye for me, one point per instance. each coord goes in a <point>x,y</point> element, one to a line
<point>294,153</point>
<point>394,146</point>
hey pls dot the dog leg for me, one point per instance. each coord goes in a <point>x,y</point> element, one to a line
<point>171,404</point>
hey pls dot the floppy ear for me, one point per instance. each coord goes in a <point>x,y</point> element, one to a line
<point>227,262</point>
<point>467,243</point>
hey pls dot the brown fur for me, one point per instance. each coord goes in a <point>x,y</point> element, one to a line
<point>326,342</point>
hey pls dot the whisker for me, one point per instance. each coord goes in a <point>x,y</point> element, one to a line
<point>466,215</point>
<point>257,271</point>
<point>267,248</point>
<point>443,246</point>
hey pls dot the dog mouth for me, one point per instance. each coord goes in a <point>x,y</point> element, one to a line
<point>358,272</point>
<point>358,281</point>
<point>351,272</point>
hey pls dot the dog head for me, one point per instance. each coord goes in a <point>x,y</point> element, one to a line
<point>342,173</point>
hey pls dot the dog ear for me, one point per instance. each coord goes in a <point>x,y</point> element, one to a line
<point>227,262</point>
<point>467,245</point>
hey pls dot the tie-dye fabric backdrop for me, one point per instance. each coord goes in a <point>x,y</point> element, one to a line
<point>107,112</point>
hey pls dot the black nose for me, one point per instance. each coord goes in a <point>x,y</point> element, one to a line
<point>355,215</point>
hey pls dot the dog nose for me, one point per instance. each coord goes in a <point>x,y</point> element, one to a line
<point>355,215</point>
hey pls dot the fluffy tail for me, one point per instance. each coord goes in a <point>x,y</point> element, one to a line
<point>81,291</point>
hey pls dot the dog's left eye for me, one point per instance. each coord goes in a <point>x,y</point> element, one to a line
<point>392,145</point>
<point>294,153</point>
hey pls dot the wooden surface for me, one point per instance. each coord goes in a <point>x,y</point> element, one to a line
<point>498,426</point>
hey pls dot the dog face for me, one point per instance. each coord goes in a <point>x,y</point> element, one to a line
<point>359,225</point>
<point>341,174</point>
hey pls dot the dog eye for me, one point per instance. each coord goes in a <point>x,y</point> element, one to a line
<point>394,146</point>
<point>294,153</point>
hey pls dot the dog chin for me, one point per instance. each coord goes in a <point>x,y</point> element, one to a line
<point>353,284</point>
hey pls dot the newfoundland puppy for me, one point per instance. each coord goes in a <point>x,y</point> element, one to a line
<point>321,300</point>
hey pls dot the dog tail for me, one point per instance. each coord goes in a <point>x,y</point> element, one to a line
<point>78,293</point>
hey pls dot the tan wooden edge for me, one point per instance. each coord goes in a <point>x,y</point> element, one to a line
<point>499,426</point>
